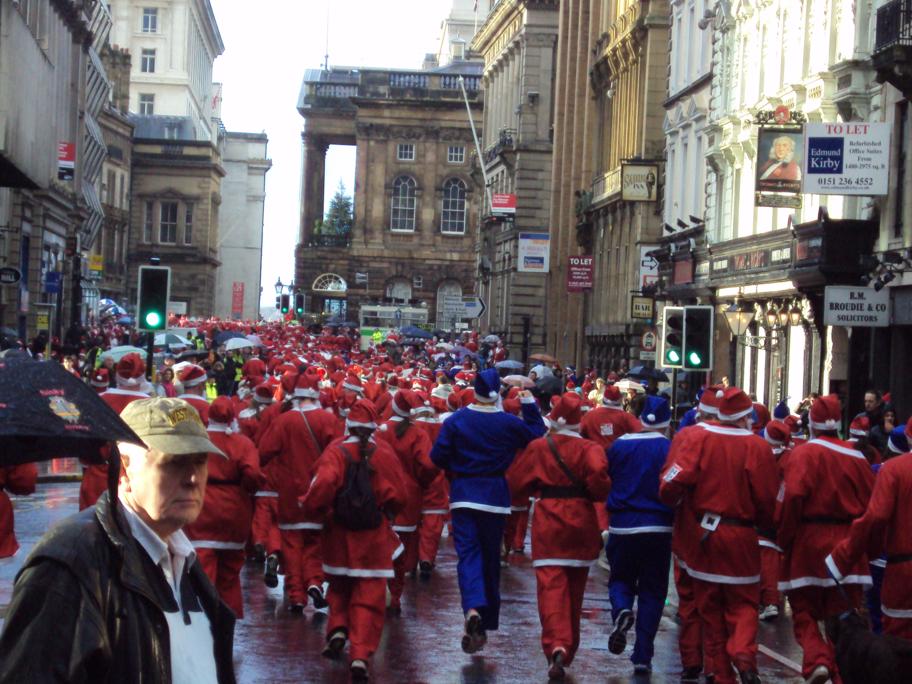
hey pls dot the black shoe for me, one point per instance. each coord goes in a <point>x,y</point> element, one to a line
<point>424,569</point>
<point>556,671</point>
<point>474,638</point>
<point>749,677</point>
<point>617,640</point>
<point>316,595</point>
<point>334,646</point>
<point>358,671</point>
<point>259,553</point>
<point>296,608</point>
<point>691,675</point>
<point>271,576</point>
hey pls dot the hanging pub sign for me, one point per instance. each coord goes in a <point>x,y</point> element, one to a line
<point>639,182</point>
<point>780,158</point>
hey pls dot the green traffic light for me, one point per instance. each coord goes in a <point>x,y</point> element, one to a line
<point>694,359</point>
<point>673,356</point>
<point>153,319</point>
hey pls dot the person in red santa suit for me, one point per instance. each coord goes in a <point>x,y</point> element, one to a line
<point>17,479</point>
<point>100,380</point>
<point>435,499</point>
<point>220,532</point>
<point>130,377</point>
<point>730,475</point>
<point>358,562</point>
<point>193,381</point>
<point>826,485</point>
<point>517,524</point>
<point>568,475</point>
<point>883,529</point>
<point>296,439</point>
<point>778,435</point>
<point>412,446</point>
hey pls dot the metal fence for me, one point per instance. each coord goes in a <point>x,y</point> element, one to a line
<point>894,25</point>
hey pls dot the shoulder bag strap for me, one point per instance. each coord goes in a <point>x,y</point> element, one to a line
<point>310,430</point>
<point>563,466</point>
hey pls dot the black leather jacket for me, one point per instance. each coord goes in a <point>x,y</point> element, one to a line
<point>87,607</point>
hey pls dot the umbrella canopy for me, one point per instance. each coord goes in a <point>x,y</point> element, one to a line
<point>544,358</point>
<point>412,331</point>
<point>238,343</point>
<point>125,320</point>
<point>226,335</point>
<point>48,413</point>
<point>117,353</point>
<point>630,384</point>
<point>548,385</point>
<point>520,381</point>
<point>445,346</point>
<point>647,373</point>
<point>171,340</point>
<point>192,354</point>
<point>256,340</point>
<point>509,364</point>
<point>491,339</point>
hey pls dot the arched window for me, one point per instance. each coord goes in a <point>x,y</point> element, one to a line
<point>330,283</point>
<point>448,290</point>
<point>399,288</point>
<point>404,203</point>
<point>453,218</point>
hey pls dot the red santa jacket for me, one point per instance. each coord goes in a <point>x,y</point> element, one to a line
<point>200,404</point>
<point>95,476</point>
<point>363,553</point>
<point>826,484</point>
<point>729,475</point>
<point>884,528</point>
<point>435,499</point>
<point>565,530</point>
<point>412,450</point>
<point>605,424</point>
<point>224,522</point>
<point>289,442</point>
<point>18,479</point>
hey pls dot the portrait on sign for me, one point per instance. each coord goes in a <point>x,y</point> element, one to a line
<point>779,160</point>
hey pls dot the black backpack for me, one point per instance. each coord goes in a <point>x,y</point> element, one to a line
<point>355,506</point>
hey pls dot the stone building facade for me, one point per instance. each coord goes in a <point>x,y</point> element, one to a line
<point>518,42</point>
<point>416,205</point>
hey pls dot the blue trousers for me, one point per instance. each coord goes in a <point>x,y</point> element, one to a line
<point>477,536</point>
<point>639,571</point>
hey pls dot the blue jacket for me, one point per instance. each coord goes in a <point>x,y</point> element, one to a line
<point>634,463</point>
<point>481,440</point>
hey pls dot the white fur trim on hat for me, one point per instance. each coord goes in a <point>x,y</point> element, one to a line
<point>561,424</point>
<point>353,423</point>
<point>711,410</point>
<point>398,411</point>
<point>828,424</point>
<point>304,393</point>
<point>353,388</point>
<point>195,381</point>
<point>653,426</point>
<point>731,417</point>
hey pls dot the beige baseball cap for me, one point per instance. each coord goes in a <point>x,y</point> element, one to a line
<point>171,426</point>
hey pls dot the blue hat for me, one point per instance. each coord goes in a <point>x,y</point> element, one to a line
<point>487,385</point>
<point>898,443</point>
<point>781,412</point>
<point>656,413</point>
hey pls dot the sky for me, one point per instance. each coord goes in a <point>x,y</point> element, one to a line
<point>267,50</point>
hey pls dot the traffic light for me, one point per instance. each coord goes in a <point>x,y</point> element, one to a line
<point>698,337</point>
<point>285,303</point>
<point>153,289</point>
<point>278,302</point>
<point>673,336</point>
<point>299,304</point>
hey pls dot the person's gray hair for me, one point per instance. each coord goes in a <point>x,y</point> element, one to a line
<point>776,141</point>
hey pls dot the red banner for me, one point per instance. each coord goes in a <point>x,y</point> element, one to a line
<point>580,273</point>
<point>237,300</point>
<point>502,203</point>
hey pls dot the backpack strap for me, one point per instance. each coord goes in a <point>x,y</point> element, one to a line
<point>563,466</point>
<point>310,430</point>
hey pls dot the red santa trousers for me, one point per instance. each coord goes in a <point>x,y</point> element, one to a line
<point>223,567</point>
<point>265,528</point>
<point>429,532</point>
<point>405,562</point>
<point>515,530</point>
<point>769,577</point>
<point>357,606</point>
<point>730,623</point>
<point>560,604</point>
<point>302,558</point>
<point>810,604</point>
<point>900,627</point>
<point>690,633</point>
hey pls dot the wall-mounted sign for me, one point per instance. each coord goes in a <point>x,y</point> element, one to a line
<point>580,273</point>
<point>847,158</point>
<point>502,203</point>
<point>52,282</point>
<point>780,152</point>
<point>9,275</point>
<point>532,252</point>
<point>66,161</point>
<point>856,307</point>
<point>237,299</point>
<point>649,266</point>
<point>642,308</point>
<point>96,263</point>
<point>639,182</point>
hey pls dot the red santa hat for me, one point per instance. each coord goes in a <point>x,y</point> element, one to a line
<point>512,406</point>
<point>100,379</point>
<point>363,414</point>
<point>611,396</point>
<point>352,383</point>
<point>192,375</point>
<point>263,394</point>
<point>307,385</point>
<point>826,413</point>
<point>466,397</point>
<point>130,370</point>
<point>566,412</point>
<point>860,426</point>
<point>777,434</point>
<point>403,402</point>
<point>734,404</point>
<point>221,412</point>
<point>253,368</point>
<point>709,400</point>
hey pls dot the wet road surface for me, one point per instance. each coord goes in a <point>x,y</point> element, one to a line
<point>422,645</point>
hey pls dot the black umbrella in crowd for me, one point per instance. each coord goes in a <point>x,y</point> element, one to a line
<point>45,412</point>
<point>226,335</point>
<point>646,373</point>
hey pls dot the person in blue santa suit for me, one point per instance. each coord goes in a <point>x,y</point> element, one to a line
<point>475,447</point>
<point>639,539</point>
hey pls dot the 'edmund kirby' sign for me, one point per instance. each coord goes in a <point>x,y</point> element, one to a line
<point>851,158</point>
<point>856,307</point>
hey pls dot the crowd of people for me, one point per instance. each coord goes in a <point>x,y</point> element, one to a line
<point>341,468</point>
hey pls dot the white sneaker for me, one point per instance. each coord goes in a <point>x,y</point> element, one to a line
<point>603,561</point>
<point>819,675</point>
<point>770,612</point>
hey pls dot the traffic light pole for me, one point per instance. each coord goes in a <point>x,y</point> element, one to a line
<point>674,400</point>
<point>150,340</point>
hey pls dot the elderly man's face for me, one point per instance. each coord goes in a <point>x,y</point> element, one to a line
<point>870,401</point>
<point>166,491</point>
<point>782,149</point>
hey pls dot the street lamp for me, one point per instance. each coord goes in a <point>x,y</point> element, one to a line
<point>739,318</point>
<point>795,315</point>
<point>278,285</point>
<point>772,317</point>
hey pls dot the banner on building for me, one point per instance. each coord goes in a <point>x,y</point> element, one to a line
<point>580,273</point>
<point>237,300</point>
<point>639,182</point>
<point>96,264</point>
<point>503,204</point>
<point>66,161</point>
<point>532,252</point>
<point>649,266</point>
<point>856,307</point>
<point>850,158</point>
<point>780,158</point>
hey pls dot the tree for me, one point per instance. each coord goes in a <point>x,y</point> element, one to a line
<point>340,216</point>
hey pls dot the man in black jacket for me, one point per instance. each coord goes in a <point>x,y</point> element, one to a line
<point>113,594</point>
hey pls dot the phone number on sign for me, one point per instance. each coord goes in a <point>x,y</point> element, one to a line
<point>845,182</point>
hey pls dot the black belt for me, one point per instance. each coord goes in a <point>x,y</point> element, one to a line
<point>826,520</point>
<point>736,522</point>
<point>220,481</point>
<point>900,558</point>
<point>562,492</point>
<point>471,476</point>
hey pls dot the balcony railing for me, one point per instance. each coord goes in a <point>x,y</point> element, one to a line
<point>606,186</point>
<point>318,241</point>
<point>894,25</point>
<point>408,80</point>
<point>451,82</point>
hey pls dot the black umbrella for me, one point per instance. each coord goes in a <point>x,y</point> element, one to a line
<point>646,373</point>
<point>192,354</point>
<point>45,412</point>
<point>412,331</point>
<point>226,335</point>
